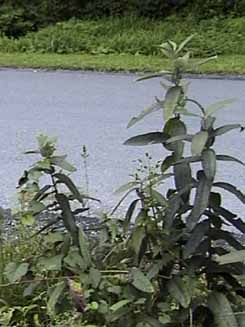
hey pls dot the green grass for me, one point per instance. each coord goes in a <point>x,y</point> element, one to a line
<point>131,35</point>
<point>233,64</point>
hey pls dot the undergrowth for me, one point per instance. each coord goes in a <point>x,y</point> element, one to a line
<point>131,35</point>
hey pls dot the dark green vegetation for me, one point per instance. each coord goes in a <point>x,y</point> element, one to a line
<point>19,16</point>
<point>127,43</point>
<point>169,261</point>
<point>130,35</point>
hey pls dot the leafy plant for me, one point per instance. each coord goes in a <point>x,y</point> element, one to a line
<point>185,245</point>
<point>169,262</point>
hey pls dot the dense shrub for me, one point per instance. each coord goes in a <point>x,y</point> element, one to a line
<point>26,15</point>
<point>133,36</point>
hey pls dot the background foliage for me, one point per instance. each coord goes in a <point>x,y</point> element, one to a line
<point>18,17</point>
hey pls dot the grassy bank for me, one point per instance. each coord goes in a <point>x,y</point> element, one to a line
<point>127,43</point>
<point>233,64</point>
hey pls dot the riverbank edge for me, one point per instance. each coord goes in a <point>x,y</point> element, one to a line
<point>227,67</point>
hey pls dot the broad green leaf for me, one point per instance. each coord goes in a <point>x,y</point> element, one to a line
<point>43,164</point>
<point>180,291</point>
<point>210,110</point>
<point>222,310</point>
<point>183,177</point>
<point>125,187</point>
<point>51,263</point>
<point>171,101</point>
<point>62,163</point>
<point>145,139</point>
<point>136,239</point>
<point>182,63</point>
<point>175,128</point>
<point>225,129</point>
<point>201,200</point>
<point>95,277</point>
<point>195,238</point>
<point>84,247</point>
<point>232,257</point>
<point>36,207</point>
<point>153,108</point>
<point>224,157</point>
<point>119,305</point>
<point>141,281</point>
<point>209,163</point>
<point>156,75</point>
<point>15,271</point>
<point>68,217</point>
<point>55,295</point>
<point>74,259</point>
<point>129,214</point>
<point>198,143</point>
<point>232,189</point>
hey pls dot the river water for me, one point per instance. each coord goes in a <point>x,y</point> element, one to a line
<point>93,109</point>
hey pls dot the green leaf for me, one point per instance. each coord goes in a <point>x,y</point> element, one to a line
<point>198,143</point>
<point>209,163</point>
<point>68,217</point>
<point>35,207</point>
<point>167,163</point>
<point>41,192</point>
<point>225,129</point>
<point>27,219</point>
<point>73,189</point>
<point>62,163</point>
<point>74,260</point>
<point>184,43</point>
<point>145,139</point>
<point>84,247</point>
<point>136,239</point>
<point>203,61</point>
<point>224,157</point>
<point>175,129</point>
<point>129,214</point>
<point>95,277</point>
<point>179,290</point>
<point>201,200</point>
<point>15,271</point>
<point>232,257</point>
<point>156,75</point>
<point>119,305</point>
<point>232,189</point>
<point>218,105</point>
<point>196,238</point>
<point>125,187</point>
<point>222,310</point>
<point>51,263</point>
<point>164,318</point>
<point>141,281</point>
<point>183,177</point>
<point>55,295</point>
<point>171,101</point>
<point>153,108</point>
<point>159,198</point>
